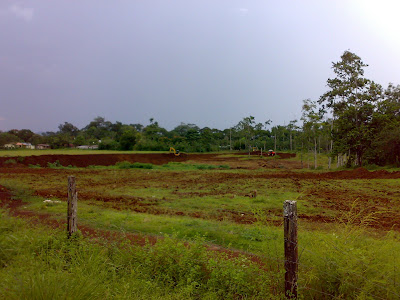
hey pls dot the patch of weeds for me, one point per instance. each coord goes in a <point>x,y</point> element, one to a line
<point>259,200</point>
<point>37,166</point>
<point>172,165</point>
<point>224,167</point>
<point>10,162</point>
<point>205,167</point>
<point>98,167</point>
<point>372,167</point>
<point>58,165</point>
<point>20,159</point>
<point>136,165</point>
<point>54,165</point>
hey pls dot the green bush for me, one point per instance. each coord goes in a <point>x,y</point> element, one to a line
<point>54,165</point>
<point>136,165</point>
<point>224,167</point>
<point>37,166</point>
<point>10,162</point>
<point>206,167</point>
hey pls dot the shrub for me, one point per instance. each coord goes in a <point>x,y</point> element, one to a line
<point>136,165</point>
<point>224,167</point>
<point>55,164</point>
<point>10,161</point>
<point>37,166</point>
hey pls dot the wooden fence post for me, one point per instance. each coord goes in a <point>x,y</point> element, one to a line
<point>72,206</point>
<point>291,252</point>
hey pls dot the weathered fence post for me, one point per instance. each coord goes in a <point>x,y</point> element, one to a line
<point>72,206</point>
<point>291,253</point>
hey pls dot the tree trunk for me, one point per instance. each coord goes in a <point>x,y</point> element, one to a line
<point>315,153</point>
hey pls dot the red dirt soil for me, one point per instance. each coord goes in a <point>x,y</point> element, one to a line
<point>85,160</point>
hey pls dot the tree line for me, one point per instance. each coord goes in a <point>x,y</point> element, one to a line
<point>355,119</point>
<point>247,134</point>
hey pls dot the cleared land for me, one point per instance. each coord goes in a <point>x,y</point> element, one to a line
<point>232,201</point>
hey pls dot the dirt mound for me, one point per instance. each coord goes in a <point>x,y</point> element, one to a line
<point>86,160</point>
<point>286,155</point>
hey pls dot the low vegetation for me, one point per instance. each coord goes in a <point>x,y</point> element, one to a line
<point>218,231</point>
<point>36,263</point>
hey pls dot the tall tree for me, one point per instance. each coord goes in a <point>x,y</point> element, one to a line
<point>311,118</point>
<point>68,128</point>
<point>352,100</point>
<point>246,129</point>
<point>385,147</point>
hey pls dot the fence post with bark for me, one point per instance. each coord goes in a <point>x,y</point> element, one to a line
<point>72,206</point>
<point>291,252</point>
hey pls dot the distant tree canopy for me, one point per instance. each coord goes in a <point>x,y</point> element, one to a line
<point>355,118</point>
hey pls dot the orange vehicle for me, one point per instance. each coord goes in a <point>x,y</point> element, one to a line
<point>271,153</point>
<point>176,152</point>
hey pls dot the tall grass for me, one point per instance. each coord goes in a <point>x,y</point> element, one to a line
<point>345,260</point>
<point>38,263</point>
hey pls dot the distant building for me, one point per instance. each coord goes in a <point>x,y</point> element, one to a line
<point>24,145</point>
<point>88,147</point>
<point>9,146</point>
<point>42,146</point>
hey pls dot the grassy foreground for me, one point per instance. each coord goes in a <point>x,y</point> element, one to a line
<point>181,205</point>
<point>36,262</point>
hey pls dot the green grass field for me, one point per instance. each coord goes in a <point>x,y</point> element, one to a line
<point>348,238</point>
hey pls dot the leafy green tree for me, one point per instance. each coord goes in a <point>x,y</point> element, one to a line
<point>98,129</point>
<point>385,147</point>
<point>80,140</point>
<point>246,130</point>
<point>6,138</point>
<point>68,128</point>
<point>292,127</point>
<point>154,131</point>
<point>138,127</point>
<point>352,98</point>
<point>128,139</point>
<point>311,118</point>
<point>24,135</point>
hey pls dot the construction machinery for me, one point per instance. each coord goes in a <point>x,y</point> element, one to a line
<point>271,153</point>
<point>176,152</point>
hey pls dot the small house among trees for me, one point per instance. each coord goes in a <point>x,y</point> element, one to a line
<point>25,145</point>
<point>42,146</point>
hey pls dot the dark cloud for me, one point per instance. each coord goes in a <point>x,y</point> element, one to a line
<point>207,62</point>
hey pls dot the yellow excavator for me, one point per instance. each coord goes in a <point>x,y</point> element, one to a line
<point>176,152</point>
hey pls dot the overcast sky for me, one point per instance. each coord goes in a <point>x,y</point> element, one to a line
<point>205,62</point>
